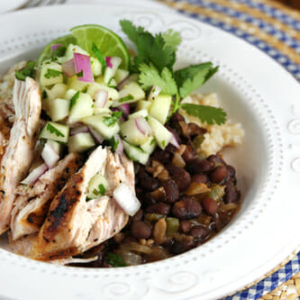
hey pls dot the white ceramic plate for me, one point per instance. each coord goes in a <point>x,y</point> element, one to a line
<point>8,5</point>
<point>255,91</point>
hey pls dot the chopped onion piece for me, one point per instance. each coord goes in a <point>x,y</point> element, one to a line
<point>119,150</point>
<point>55,46</point>
<point>101,97</point>
<point>81,129</point>
<point>126,199</point>
<point>125,109</point>
<point>83,64</point>
<point>143,126</point>
<point>174,141</point>
<point>68,68</point>
<point>49,156</point>
<point>35,174</point>
<point>108,62</point>
<point>154,92</point>
<point>96,135</point>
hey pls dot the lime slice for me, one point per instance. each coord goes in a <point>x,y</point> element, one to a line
<point>64,40</point>
<point>109,43</point>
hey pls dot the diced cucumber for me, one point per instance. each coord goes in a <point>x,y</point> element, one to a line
<point>51,73</point>
<point>142,112</point>
<point>56,132</point>
<point>80,108</point>
<point>97,187</point>
<point>131,133</point>
<point>135,153</point>
<point>121,75</point>
<point>69,94</point>
<point>96,66</point>
<point>149,146</point>
<point>81,142</point>
<point>143,104</point>
<point>76,84</point>
<point>59,90</point>
<point>161,133</point>
<point>111,70</point>
<point>98,123</point>
<point>160,108</point>
<point>56,146</point>
<point>70,53</point>
<point>113,94</point>
<point>58,109</point>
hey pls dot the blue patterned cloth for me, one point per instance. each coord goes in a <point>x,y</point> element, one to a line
<point>293,266</point>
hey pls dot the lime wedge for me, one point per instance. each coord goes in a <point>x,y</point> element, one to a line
<point>46,52</point>
<point>109,43</point>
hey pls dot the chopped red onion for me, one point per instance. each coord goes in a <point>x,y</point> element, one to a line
<point>125,108</point>
<point>143,126</point>
<point>126,199</point>
<point>49,156</point>
<point>97,136</point>
<point>83,64</point>
<point>80,129</point>
<point>101,97</point>
<point>35,174</point>
<point>174,141</point>
<point>154,92</point>
<point>68,68</point>
<point>108,62</point>
<point>55,46</point>
<point>120,148</point>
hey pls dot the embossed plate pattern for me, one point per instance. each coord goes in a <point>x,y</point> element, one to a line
<point>255,91</point>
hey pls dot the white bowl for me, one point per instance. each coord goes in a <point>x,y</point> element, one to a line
<point>267,165</point>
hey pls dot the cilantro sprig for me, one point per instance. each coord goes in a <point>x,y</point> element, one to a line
<point>115,260</point>
<point>54,130</point>
<point>110,121</point>
<point>154,63</point>
<point>52,73</point>
<point>27,71</point>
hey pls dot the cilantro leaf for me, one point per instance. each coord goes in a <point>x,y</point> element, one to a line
<point>115,260</point>
<point>27,71</point>
<point>207,114</point>
<point>172,38</point>
<point>151,76</point>
<point>52,73</point>
<point>130,30</point>
<point>126,98</point>
<point>54,130</point>
<point>74,99</point>
<point>114,143</point>
<point>110,121</point>
<point>99,56</point>
<point>192,77</point>
<point>151,48</point>
<point>80,74</point>
<point>58,52</point>
<point>101,190</point>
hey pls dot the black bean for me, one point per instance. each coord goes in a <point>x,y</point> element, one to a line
<point>146,181</point>
<point>159,208</point>
<point>195,129</point>
<point>219,174</point>
<point>189,153</point>
<point>182,245</point>
<point>200,178</point>
<point>171,149</point>
<point>199,232</point>
<point>215,160</point>
<point>162,156</point>
<point>187,209</point>
<point>138,215</point>
<point>171,189</point>
<point>210,205</point>
<point>175,133</point>
<point>198,165</point>
<point>231,173</point>
<point>140,230</point>
<point>231,194</point>
<point>185,226</point>
<point>148,200</point>
<point>180,176</point>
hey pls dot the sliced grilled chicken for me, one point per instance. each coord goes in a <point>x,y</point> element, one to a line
<point>32,202</point>
<point>19,152</point>
<point>74,225</point>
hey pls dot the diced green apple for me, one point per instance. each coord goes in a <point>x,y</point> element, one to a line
<point>99,124</point>
<point>131,133</point>
<point>56,132</point>
<point>113,94</point>
<point>161,133</point>
<point>143,104</point>
<point>76,84</point>
<point>69,94</point>
<point>83,107</point>
<point>97,187</point>
<point>59,90</point>
<point>121,75</point>
<point>142,112</point>
<point>81,142</point>
<point>56,146</point>
<point>149,146</point>
<point>131,93</point>
<point>58,109</point>
<point>160,108</point>
<point>96,66</point>
<point>135,153</point>
<point>70,53</point>
<point>50,73</point>
<point>111,70</point>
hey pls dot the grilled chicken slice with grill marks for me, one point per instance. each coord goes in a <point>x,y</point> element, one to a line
<point>74,225</point>
<point>19,152</point>
<point>32,202</point>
